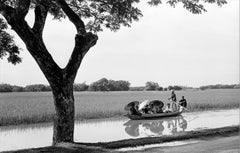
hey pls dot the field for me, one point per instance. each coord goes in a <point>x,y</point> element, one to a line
<point>35,107</point>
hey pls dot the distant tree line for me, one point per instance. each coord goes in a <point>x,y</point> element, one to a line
<point>220,86</point>
<point>154,86</point>
<point>28,88</point>
<point>109,85</point>
<point>100,85</point>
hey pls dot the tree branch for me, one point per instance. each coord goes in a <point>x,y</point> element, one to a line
<point>6,11</point>
<point>23,7</point>
<point>34,44</point>
<point>82,45</point>
<point>41,11</point>
<point>73,17</point>
<point>39,52</point>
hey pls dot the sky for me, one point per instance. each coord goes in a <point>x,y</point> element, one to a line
<point>167,45</point>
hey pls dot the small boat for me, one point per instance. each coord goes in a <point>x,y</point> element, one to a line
<point>152,116</point>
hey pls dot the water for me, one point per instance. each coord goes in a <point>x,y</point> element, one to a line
<point>102,130</point>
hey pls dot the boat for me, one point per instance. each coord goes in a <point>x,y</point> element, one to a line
<point>152,103</point>
<point>153,116</point>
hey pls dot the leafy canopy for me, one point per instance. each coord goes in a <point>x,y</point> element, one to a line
<point>96,14</point>
<point>7,45</point>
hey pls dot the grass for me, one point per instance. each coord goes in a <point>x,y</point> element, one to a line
<point>36,107</point>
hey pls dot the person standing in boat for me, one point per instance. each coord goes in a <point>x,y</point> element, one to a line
<point>173,98</point>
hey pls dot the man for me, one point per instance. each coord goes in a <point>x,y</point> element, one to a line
<point>173,98</point>
<point>183,102</point>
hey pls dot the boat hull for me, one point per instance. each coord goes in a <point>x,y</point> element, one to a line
<point>152,116</point>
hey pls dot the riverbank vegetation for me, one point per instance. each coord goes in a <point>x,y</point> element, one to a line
<point>36,107</point>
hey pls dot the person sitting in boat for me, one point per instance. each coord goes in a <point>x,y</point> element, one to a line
<point>134,110</point>
<point>152,109</point>
<point>168,108</point>
<point>158,109</point>
<point>145,110</point>
<point>183,102</point>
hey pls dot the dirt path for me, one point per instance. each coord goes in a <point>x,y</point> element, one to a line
<point>212,145</point>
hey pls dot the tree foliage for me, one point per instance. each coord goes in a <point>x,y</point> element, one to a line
<point>37,88</point>
<point>152,86</point>
<point>109,85</point>
<point>175,87</point>
<point>193,6</point>
<point>28,88</point>
<point>96,14</point>
<point>80,87</point>
<point>5,88</point>
<point>221,86</point>
<point>7,46</point>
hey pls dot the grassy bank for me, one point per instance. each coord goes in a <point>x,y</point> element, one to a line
<point>36,107</point>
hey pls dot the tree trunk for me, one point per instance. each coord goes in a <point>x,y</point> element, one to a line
<point>60,80</point>
<point>63,129</point>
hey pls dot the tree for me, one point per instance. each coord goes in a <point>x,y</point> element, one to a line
<point>151,86</point>
<point>174,87</point>
<point>119,85</point>
<point>100,85</point>
<point>122,85</point>
<point>10,88</point>
<point>111,14</point>
<point>80,87</point>
<point>5,88</point>
<point>17,89</point>
<point>109,85</point>
<point>160,88</point>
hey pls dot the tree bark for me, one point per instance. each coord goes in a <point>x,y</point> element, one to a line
<point>63,129</point>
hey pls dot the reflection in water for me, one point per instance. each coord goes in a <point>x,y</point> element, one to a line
<point>104,130</point>
<point>166,126</point>
<point>25,127</point>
